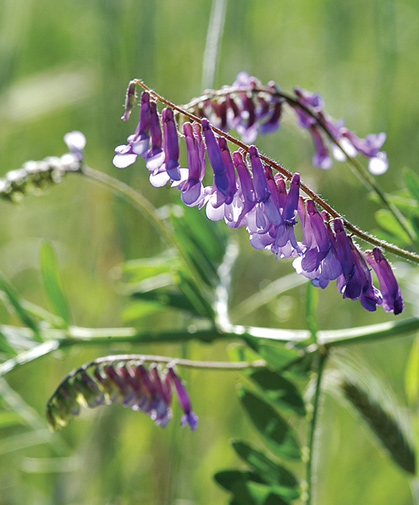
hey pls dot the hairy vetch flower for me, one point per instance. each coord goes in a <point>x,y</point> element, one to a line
<point>128,382</point>
<point>245,193</point>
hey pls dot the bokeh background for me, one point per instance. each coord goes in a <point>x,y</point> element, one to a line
<point>64,66</point>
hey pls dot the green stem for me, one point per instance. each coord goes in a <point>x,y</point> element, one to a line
<point>189,363</point>
<point>133,197</point>
<point>145,207</point>
<point>73,336</point>
<point>312,430</point>
<point>414,486</point>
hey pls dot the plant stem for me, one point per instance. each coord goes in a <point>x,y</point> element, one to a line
<point>207,365</point>
<point>312,430</point>
<point>134,197</point>
<point>212,46</point>
<point>144,206</point>
<point>74,335</point>
<point>408,255</point>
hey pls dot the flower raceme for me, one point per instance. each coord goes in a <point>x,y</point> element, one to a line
<point>129,383</point>
<point>250,109</point>
<point>245,193</point>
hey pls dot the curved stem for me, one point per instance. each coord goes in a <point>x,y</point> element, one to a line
<point>209,365</point>
<point>408,255</point>
<point>134,197</point>
<point>144,206</point>
<point>360,171</point>
<point>312,430</point>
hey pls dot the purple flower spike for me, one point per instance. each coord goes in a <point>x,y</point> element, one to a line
<point>392,297</point>
<point>170,144</point>
<point>189,417</point>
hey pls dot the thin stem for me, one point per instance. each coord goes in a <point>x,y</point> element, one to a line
<point>408,255</point>
<point>134,197</point>
<point>208,365</point>
<point>144,206</point>
<point>212,46</point>
<point>312,430</point>
<point>414,486</point>
<point>223,288</point>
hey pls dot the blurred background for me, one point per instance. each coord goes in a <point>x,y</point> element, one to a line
<point>66,65</point>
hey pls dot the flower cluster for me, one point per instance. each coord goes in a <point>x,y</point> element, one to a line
<point>250,108</point>
<point>246,193</point>
<point>37,175</point>
<point>126,382</point>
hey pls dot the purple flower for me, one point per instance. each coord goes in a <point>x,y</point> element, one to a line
<point>170,144</point>
<point>155,155</point>
<point>390,289</point>
<point>191,183</point>
<point>245,198</point>
<point>189,417</point>
<point>321,157</point>
<point>137,142</point>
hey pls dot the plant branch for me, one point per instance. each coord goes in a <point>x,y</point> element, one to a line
<point>360,171</point>
<point>408,255</point>
<point>312,429</point>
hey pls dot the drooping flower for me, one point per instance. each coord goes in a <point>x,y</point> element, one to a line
<point>245,193</point>
<point>392,297</point>
<point>137,142</point>
<point>189,416</point>
<point>129,383</point>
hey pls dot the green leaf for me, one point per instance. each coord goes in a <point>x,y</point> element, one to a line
<point>209,235</point>
<point>411,377</point>
<point>165,298</point>
<point>286,483</point>
<point>52,282</point>
<point>391,225</point>
<point>279,356</point>
<point>247,488</point>
<point>276,432</point>
<point>311,300</point>
<point>412,183</point>
<point>227,479</point>
<point>22,313</point>
<point>240,352</point>
<point>140,310</point>
<point>278,390</point>
<point>194,296</point>
<point>139,270</point>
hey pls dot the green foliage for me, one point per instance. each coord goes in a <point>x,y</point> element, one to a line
<point>52,282</point>
<point>276,433</point>
<point>68,70</point>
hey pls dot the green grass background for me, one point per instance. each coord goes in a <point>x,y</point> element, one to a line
<point>65,65</point>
